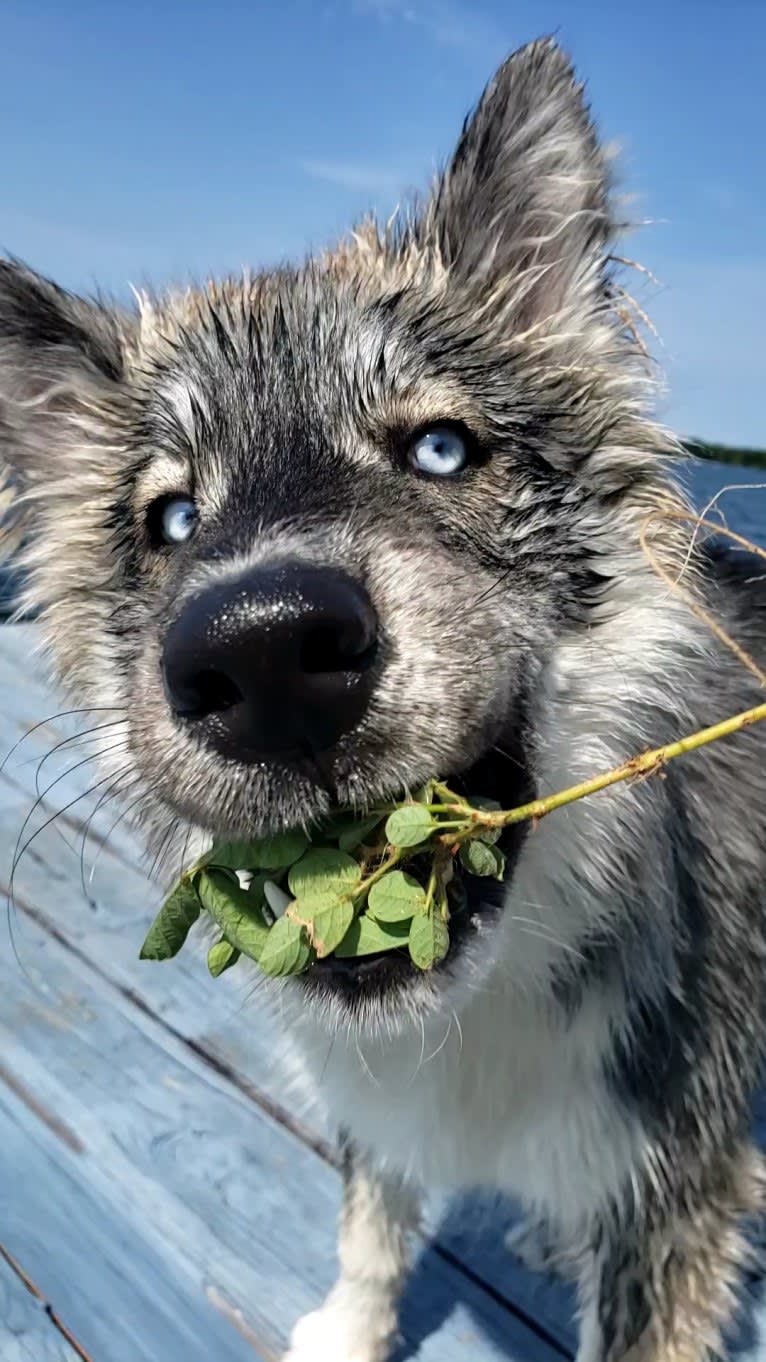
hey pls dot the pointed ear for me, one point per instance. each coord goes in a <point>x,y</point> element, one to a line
<point>49,330</point>
<point>524,204</point>
<point>55,350</point>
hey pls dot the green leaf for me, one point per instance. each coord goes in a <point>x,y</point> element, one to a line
<point>396,897</point>
<point>221,956</point>
<point>280,851</point>
<point>367,937</point>
<point>425,795</point>
<point>326,927</point>
<point>307,908</point>
<point>171,926</point>
<point>238,912</point>
<point>269,853</point>
<point>500,863</point>
<point>329,828</point>
<point>409,826</point>
<point>429,940</point>
<point>287,950</point>
<point>356,833</point>
<point>229,856</point>
<point>346,829</point>
<point>479,858</point>
<point>322,872</point>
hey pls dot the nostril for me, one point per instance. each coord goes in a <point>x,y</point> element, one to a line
<point>209,692</point>
<point>327,649</point>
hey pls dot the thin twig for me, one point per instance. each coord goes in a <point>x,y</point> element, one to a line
<point>646,763</point>
<point>694,605</point>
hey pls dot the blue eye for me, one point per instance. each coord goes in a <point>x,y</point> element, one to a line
<point>177,520</point>
<point>441,452</point>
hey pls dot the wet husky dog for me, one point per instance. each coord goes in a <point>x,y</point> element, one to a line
<point>323,533</point>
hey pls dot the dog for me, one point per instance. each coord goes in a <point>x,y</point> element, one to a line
<point>318,535</point>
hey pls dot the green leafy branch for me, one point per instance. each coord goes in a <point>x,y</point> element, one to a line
<point>362,885</point>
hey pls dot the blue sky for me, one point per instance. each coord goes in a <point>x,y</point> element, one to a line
<point>150,142</point>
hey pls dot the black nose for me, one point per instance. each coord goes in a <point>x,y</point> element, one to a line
<point>277,661</point>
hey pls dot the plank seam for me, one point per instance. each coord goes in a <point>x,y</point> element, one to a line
<point>221,1067</point>
<point>45,1305</point>
<point>54,1123</point>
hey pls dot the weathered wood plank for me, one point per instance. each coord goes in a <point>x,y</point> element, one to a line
<point>155,1205</point>
<point>211,1015</point>
<point>27,1333</point>
<point>208,1014</point>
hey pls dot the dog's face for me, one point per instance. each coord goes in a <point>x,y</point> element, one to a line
<point>316,534</point>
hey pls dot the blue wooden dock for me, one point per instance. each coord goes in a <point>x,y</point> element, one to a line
<point>161,1200</point>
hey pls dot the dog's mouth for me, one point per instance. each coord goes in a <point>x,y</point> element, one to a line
<point>501,774</point>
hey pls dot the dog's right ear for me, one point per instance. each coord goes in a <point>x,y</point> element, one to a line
<point>521,216</point>
<point>59,354</point>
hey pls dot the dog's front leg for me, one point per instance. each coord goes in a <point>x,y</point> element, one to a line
<point>358,1321</point>
<point>661,1284</point>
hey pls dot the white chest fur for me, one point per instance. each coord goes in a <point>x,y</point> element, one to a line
<point>507,1096</point>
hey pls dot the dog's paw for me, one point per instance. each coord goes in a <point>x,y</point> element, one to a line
<point>333,1335</point>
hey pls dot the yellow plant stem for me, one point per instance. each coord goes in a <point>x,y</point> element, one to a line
<point>646,763</point>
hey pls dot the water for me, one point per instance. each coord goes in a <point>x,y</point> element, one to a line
<point>743,506</point>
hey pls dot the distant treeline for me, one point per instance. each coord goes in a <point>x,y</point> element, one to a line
<point>752,458</point>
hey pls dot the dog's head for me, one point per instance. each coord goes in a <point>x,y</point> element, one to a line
<point>316,533</point>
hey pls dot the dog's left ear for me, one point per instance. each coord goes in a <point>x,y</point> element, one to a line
<point>62,389</point>
<point>523,208</point>
<point>58,354</point>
